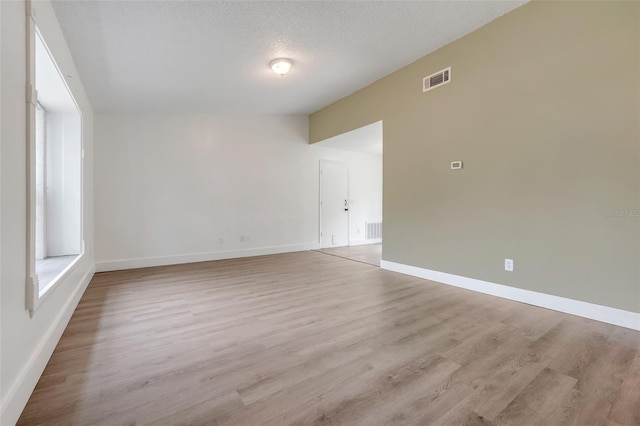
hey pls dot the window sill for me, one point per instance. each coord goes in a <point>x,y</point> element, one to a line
<point>53,284</point>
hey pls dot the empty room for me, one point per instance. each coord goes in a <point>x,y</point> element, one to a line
<point>319,212</point>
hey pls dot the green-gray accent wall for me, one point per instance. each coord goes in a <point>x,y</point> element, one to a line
<point>543,109</point>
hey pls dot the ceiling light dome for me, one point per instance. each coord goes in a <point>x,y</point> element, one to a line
<point>281,65</point>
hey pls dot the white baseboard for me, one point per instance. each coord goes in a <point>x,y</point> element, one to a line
<point>562,304</point>
<point>18,394</point>
<point>364,242</point>
<point>146,262</point>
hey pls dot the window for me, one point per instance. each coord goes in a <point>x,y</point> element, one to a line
<point>55,174</point>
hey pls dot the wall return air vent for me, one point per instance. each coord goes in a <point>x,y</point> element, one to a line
<point>437,79</point>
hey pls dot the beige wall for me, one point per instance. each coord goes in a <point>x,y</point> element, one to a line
<point>543,109</point>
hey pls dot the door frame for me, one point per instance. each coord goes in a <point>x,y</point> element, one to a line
<point>340,163</point>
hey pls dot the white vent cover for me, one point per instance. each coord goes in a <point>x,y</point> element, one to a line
<point>373,230</point>
<point>436,79</point>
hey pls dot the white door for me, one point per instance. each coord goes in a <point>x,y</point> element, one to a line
<point>334,204</point>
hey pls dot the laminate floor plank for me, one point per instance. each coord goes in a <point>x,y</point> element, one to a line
<point>310,338</point>
<point>531,406</point>
<point>626,406</point>
<point>368,253</point>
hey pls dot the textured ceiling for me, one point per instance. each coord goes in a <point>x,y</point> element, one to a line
<point>212,56</point>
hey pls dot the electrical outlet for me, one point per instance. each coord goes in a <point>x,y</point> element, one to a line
<point>244,238</point>
<point>508,265</point>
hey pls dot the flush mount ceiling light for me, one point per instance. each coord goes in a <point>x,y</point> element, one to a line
<point>281,65</point>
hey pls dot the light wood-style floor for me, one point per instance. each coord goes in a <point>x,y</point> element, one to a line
<point>307,338</point>
<point>367,253</point>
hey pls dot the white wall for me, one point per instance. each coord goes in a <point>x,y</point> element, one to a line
<point>365,192</point>
<point>63,184</point>
<point>1,205</point>
<point>169,187</point>
<point>26,343</point>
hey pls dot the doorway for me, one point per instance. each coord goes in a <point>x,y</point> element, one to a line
<point>360,153</point>
<point>334,204</point>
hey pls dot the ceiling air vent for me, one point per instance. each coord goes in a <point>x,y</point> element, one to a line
<point>436,79</point>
